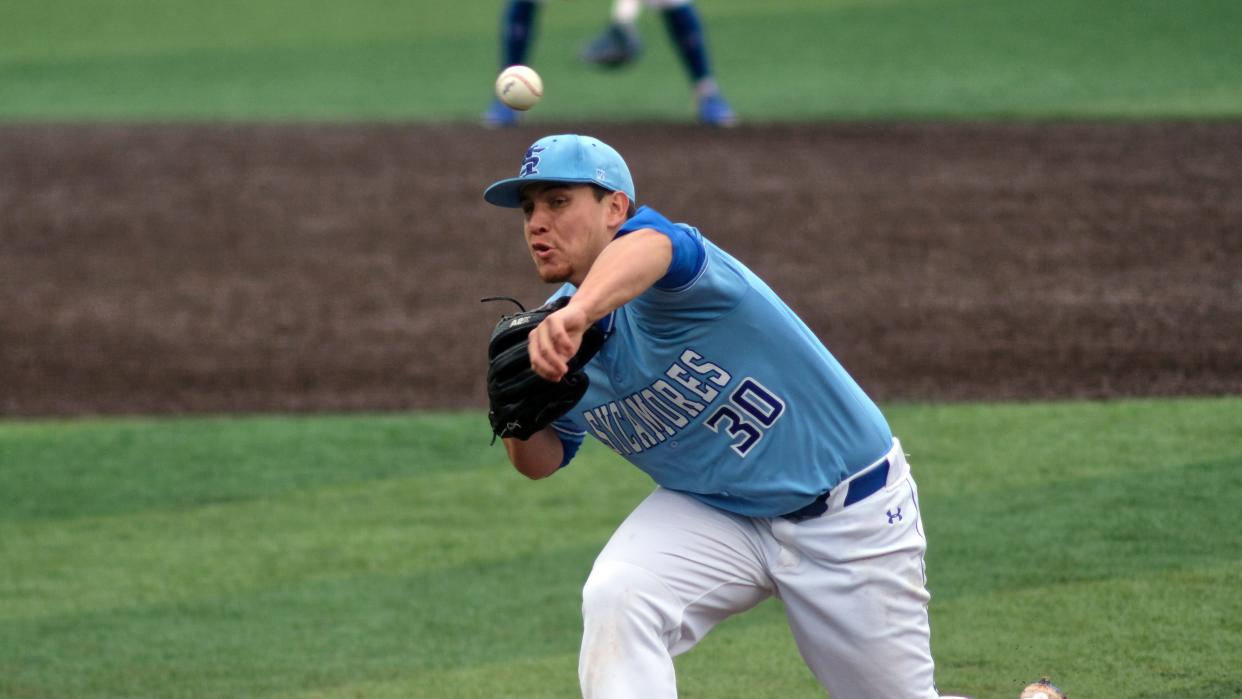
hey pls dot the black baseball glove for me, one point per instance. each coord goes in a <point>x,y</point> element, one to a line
<point>521,402</point>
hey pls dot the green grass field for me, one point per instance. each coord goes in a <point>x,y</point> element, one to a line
<point>400,556</point>
<point>777,59</point>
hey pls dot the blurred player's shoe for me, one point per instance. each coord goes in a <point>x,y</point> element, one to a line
<point>715,111</point>
<point>616,46</point>
<point>498,116</point>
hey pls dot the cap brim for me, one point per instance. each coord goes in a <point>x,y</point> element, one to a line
<point>508,193</point>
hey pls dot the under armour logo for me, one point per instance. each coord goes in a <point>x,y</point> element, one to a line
<point>530,164</point>
<point>893,517</point>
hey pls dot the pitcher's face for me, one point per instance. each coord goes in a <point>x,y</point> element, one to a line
<point>566,228</point>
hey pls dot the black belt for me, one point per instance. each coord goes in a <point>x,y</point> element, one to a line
<point>860,488</point>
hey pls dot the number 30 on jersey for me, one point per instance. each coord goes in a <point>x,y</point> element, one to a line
<point>750,411</point>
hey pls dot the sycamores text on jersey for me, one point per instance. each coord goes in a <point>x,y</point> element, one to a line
<point>690,386</point>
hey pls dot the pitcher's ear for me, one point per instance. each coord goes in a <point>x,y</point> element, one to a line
<point>620,208</point>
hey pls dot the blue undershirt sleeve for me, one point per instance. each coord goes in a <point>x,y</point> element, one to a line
<point>570,443</point>
<point>689,253</point>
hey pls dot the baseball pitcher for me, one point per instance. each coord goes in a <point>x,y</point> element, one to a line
<point>776,474</point>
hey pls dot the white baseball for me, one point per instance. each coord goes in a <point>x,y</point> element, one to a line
<point>520,87</point>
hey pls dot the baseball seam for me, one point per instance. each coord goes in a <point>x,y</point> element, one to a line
<point>524,81</point>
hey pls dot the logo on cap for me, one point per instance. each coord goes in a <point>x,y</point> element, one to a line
<point>530,164</point>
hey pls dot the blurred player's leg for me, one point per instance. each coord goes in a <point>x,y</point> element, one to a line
<point>619,44</point>
<point>686,31</point>
<point>673,570</point>
<point>517,31</point>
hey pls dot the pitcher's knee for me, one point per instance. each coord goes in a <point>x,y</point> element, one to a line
<point>624,595</point>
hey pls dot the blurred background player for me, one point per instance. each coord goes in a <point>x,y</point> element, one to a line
<point>619,45</point>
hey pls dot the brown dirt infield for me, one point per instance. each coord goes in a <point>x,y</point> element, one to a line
<point>243,268</point>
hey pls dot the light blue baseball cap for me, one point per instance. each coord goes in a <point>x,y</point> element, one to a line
<point>566,158</point>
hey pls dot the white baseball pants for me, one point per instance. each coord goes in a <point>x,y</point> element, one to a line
<point>851,580</point>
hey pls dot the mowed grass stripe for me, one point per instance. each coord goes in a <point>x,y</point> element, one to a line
<point>391,527</point>
<point>1086,529</point>
<point>304,634</point>
<point>71,469</point>
<point>398,554</point>
<point>974,447</point>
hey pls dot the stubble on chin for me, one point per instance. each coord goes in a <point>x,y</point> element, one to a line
<point>554,278</point>
<point>551,275</point>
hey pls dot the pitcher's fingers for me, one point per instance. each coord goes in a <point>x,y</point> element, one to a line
<point>552,370</point>
<point>544,359</point>
<point>566,343</point>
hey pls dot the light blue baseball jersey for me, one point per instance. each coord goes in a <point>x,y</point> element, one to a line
<point>715,388</point>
